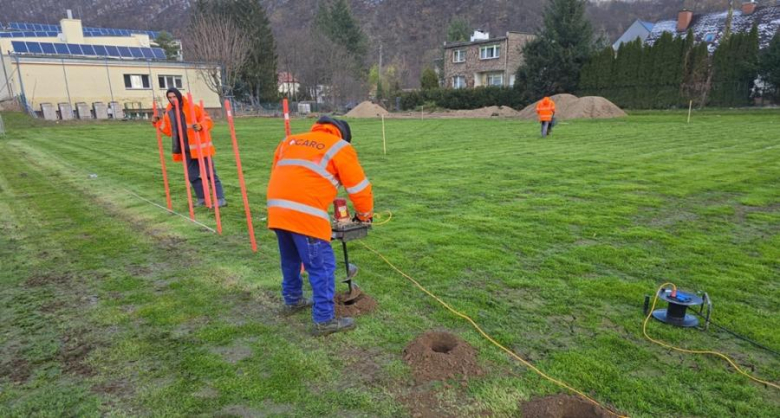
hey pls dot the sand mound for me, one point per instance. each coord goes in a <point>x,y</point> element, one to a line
<point>367,110</point>
<point>486,112</point>
<point>439,356</point>
<point>568,106</point>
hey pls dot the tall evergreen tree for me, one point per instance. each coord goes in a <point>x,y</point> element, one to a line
<point>770,63</point>
<point>458,30</point>
<point>335,21</point>
<point>554,59</point>
<point>165,41</point>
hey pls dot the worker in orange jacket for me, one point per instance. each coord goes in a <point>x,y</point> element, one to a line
<point>199,122</point>
<point>545,110</point>
<point>307,171</point>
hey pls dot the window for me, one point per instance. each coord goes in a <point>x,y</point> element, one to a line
<point>489,52</point>
<point>459,55</point>
<point>495,79</point>
<point>168,81</point>
<point>458,82</point>
<point>137,81</point>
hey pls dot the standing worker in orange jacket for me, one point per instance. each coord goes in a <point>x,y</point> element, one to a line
<point>307,172</point>
<point>545,110</point>
<point>193,123</point>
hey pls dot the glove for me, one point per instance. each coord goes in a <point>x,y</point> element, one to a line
<point>197,127</point>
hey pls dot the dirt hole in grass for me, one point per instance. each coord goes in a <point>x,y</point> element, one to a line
<point>18,370</point>
<point>438,355</point>
<point>562,406</point>
<point>360,306</point>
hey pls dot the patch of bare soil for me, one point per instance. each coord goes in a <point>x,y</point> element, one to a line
<point>439,356</point>
<point>74,351</point>
<point>46,279</point>
<point>361,306</point>
<point>562,406</point>
<point>17,369</point>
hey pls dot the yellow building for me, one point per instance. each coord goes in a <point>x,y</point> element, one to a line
<point>44,66</point>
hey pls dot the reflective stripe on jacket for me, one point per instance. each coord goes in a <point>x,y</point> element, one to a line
<point>201,117</point>
<point>545,109</point>
<point>307,172</point>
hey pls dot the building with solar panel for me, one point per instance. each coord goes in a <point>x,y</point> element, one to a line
<point>69,71</point>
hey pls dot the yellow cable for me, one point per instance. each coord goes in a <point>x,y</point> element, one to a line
<point>488,337</point>
<point>379,216</point>
<point>684,350</point>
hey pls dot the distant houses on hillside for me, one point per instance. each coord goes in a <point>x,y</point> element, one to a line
<point>708,27</point>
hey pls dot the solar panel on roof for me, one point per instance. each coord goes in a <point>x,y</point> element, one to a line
<point>100,50</point>
<point>125,52</point>
<point>88,49</point>
<point>48,48</point>
<point>75,49</point>
<point>147,52</point>
<point>137,53</point>
<point>112,51</point>
<point>159,53</point>
<point>5,35</point>
<point>19,46</point>
<point>61,49</point>
<point>34,48</point>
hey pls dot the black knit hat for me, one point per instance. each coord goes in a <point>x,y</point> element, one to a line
<point>177,93</point>
<point>342,126</point>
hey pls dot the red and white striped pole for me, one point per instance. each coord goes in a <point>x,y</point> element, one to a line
<point>210,166</point>
<point>286,108</point>
<point>241,182</point>
<point>162,161</point>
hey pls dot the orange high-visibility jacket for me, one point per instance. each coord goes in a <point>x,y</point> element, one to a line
<point>201,117</point>
<point>545,109</point>
<point>307,172</point>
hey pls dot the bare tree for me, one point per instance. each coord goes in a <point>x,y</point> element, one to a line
<point>221,47</point>
<point>325,70</point>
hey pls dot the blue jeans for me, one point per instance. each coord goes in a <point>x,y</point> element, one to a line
<point>320,262</point>
<point>193,169</point>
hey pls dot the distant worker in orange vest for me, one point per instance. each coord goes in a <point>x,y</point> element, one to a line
<point>307,171</point>
<point>545,110</point>
<point>198,122</point>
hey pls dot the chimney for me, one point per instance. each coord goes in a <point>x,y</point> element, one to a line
<point>684,18</point>
<point>748,8</point>
<point>70,14</point>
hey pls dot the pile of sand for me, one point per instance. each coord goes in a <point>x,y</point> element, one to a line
<point>486,112</point>
<point>568,106</point>
<point>367,110</point>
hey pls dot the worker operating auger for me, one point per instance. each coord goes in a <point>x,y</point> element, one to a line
<point>307,171</point>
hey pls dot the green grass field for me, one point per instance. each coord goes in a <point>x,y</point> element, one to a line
<point>111,306</point>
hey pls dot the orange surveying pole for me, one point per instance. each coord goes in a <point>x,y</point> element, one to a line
<point>286,109</point>
<point>210,166</point>
<point>162,161</point>
<point>177,109</point>
<point>204,181</point>
<point>241,177</point>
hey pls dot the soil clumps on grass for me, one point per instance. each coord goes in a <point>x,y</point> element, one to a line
<point>562,406</point>
<point>360,306</point>
<point>440,356</point>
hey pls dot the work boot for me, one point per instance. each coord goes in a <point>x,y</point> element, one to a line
<point>334,325</point>
<point>200,203</point>
<point>302,304</point>
<point>221,202</point>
